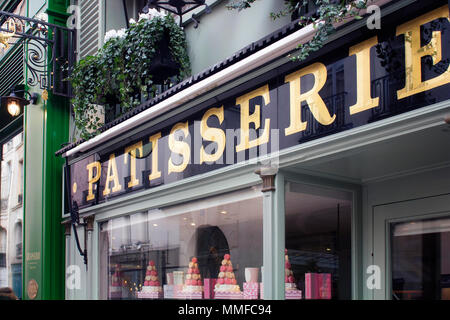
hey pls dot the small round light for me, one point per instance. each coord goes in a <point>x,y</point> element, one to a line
<point>155,224</point>
<point>223,212</point>
<point>13,108</point>
<point>193,224</point>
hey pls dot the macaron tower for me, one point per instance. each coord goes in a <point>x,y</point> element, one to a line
<point>291,291</point>
<point>115,290</point>
<point>193,287</point>
<point>152,288</point>
<point>226,286</point>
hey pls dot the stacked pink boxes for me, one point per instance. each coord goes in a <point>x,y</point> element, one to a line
<point>208,287</point>
<point>318,286</point>
<point>251,286</point>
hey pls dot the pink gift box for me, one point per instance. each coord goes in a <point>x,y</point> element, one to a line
<point>208,287</point>
<point>317,285</point>
<point>178,291</point>
<point>169,291</point>
<point>149,295</point>
<point>251,290</point>
<point>251,286</point>
<point>293,294</point>
<point>193,295</point>
<point>261,291</point>
<point>229,295</point>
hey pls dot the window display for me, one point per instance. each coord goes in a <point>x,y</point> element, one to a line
<point>318,242</point>
<point>183,251</point>
<point>420,262</point>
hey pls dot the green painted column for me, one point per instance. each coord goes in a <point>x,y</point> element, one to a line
<point>46,128</point>
<point>274,235</point>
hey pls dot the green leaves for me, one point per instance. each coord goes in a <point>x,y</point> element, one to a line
<point>118,73</point>
<point>326,14</point>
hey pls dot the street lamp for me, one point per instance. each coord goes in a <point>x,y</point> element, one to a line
<point>14,103</point>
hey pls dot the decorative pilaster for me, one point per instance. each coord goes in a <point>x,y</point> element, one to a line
<point>273,232</point>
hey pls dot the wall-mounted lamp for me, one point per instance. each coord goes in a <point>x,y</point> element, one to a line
<point>14,103</point>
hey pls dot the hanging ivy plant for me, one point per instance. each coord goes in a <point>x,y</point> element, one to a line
<point>120,72</point>
<point>328,13</point>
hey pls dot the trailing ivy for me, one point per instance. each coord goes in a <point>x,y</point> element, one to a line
<point>119,72</point>
<point>328,13</point>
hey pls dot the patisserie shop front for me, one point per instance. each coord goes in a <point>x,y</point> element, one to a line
<point>321,179</point>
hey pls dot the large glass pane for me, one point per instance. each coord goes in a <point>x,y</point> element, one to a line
<point>11,215</point>
<point>318,242</point>
<point>421,260</point>
<point>182,251</point>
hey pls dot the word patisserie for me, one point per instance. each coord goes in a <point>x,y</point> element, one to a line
<point>292,107</point>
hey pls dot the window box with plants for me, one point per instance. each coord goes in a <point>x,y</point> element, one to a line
<point>128,69</point>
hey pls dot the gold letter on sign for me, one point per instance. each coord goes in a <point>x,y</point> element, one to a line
<point>154,141</point>
<point>93,179</point>
<point>414,53</point>
<point>246,119</point>
<point>179,147</point>
<point>364,100</point>
<point>112,176</point>
<point>212,134</point>
<point>315,103</point>
<point>132,151</point>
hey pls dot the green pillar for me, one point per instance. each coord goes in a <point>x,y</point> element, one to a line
<point>46,128</point>
<point>274,234</point>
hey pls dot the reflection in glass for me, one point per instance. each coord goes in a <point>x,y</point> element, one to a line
<point>170,237</point>
<point>420,260</point>
<point>318,240</point>
<point>11,215</point>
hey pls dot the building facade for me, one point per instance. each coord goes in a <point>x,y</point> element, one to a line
<point>32,263</point>
<point>340,162</point>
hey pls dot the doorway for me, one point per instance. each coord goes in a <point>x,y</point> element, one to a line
<point>411,248</point>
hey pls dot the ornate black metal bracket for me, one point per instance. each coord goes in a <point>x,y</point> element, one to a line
<point>50,51</point>
<point>74,215</point>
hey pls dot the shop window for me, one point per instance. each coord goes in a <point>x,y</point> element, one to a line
<point>18,239</point>
<point>3,235</point>
<point>318,242</point>
<point>420,260</point>
<point>6,184</point>
<point>174,246</point>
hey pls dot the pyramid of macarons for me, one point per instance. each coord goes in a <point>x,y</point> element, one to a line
<point>193,277</point>
<point>226,274</point>
<point>288,274</point>
<point>151,275</point>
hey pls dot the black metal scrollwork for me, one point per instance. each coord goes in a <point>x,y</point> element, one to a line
<point>49,51</point>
